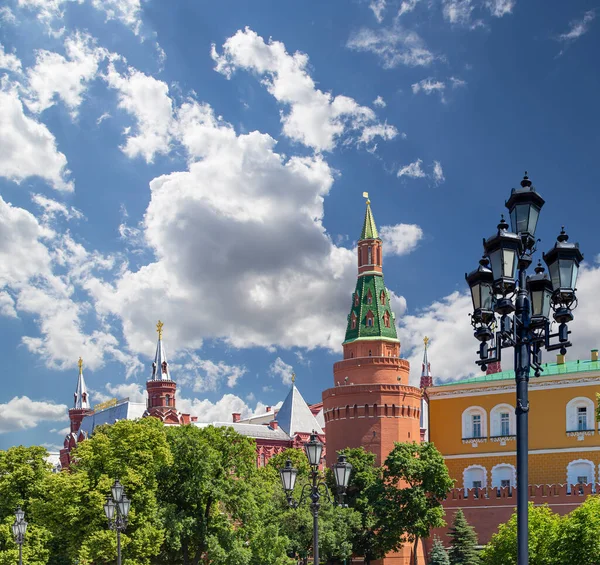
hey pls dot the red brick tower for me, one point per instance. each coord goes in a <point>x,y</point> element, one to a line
<point>161,389</point>
<point>81,409</point>
<point>371,403</point>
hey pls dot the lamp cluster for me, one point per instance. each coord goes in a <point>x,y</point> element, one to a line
<point>116,509</point>
<point>19,528</point>
<point>341,471</point>
<point>495,283</point>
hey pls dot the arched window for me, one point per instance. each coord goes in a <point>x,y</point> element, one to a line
<point>394,413</point>
<point>375,411</point>
<point>369,297</point>
<point>474,423</point>
<point>382,297</point>
<point>369,256</point>
<point>353,321</point>
<point>580,472</point>
<point>370,353</point>
<point>366,410</point>
<point>475,476</point>
<point>369,319</point>
<point>386,319</point>
<point>502,421</point>
<point>356,299</point>
<point>355,411</point>
<point>504,475</point>
<point>262,459</point>
<point>580,414</point>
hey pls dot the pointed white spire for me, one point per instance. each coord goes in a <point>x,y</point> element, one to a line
<point>295,416</point>
<point>81,395</point>
<point>160,367</point>
<point>425,368</point>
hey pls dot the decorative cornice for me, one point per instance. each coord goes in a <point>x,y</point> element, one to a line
<point>479,389</point>
<point>372,338</point>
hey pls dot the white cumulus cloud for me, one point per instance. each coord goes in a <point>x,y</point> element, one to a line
<point>412,170</point>
<point>279,368</point>
<point>401,239</point>
<point>315,118</point>
<point>147,100</point>
<point>22,413</point>
<point>27,148</point>
<point>67,78</point>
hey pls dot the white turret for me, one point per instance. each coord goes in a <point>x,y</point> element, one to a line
<point>160,367</point>
<point>82,401</point>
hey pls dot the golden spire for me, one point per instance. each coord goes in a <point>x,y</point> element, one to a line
<point>293,378</point>
<point>159,329</point>
<point>80,365</point>
<point>426,341</point>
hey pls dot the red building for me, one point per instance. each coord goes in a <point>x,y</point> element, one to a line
<point>274,431</point>
<point>371,403</point>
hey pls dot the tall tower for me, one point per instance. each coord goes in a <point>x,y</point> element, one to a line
<point>81,405</point>
<point>161,389</point>
<point>426,382</point>
<point>371,403</point>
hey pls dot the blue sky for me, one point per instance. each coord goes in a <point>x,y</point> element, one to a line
<point>204,164</point>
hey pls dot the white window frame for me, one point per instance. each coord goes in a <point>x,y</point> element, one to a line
<point>573,473</point>
<point>572,413</point>
<point>497,477</point>
<point>466,475</point>
<point>496,420</point>
<point>467,422</point>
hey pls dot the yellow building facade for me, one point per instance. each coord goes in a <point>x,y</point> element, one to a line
<point>472,423</point>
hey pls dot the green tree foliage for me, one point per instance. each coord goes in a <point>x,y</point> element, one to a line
<point>134,452</point>
<point>464,539</point>
<point>364,494</point>
<point>543,529</point>
<point>578,535</point>
<point>416,481</point>
<point>206,492</point>
<point>35,548</point>
<point>23,472</point>
<point>438,555</point>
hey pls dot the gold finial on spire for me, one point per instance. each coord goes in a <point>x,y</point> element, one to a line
<point>366,195</point>
<point>159,329</point>
<point>80,365</point>
<point>426,341</point>
<point>293,378</point>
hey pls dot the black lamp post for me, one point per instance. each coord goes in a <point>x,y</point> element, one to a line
<point>341,472</point>
<point>117,510</point>
<point>19,528</point>
<point>502,291</point>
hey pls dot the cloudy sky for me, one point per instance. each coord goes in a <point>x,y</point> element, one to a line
<point>204,163</point>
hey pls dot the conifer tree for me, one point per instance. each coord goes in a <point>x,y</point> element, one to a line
<point>464,539</point>
<point>438,555</point>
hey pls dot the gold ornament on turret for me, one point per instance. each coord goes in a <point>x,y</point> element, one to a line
<point>293,378</point>
<point>80,365</point>
<point>159,329</point>
<point>426,341</point>
<point>366,195</point>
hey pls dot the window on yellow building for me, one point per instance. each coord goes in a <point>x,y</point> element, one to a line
<point>476,422</point>
<point>582,418</point>
<point>505,424</point>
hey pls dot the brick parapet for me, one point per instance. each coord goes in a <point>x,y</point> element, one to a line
<point>486,508</point>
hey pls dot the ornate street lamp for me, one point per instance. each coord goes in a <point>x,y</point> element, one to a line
<point>116,509</point>
<point>19,528</point>
<point>530,298</point>
<point>288,475</point>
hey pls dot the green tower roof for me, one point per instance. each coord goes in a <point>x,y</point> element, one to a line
<point>369,230</point>
<point>371,316</point>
